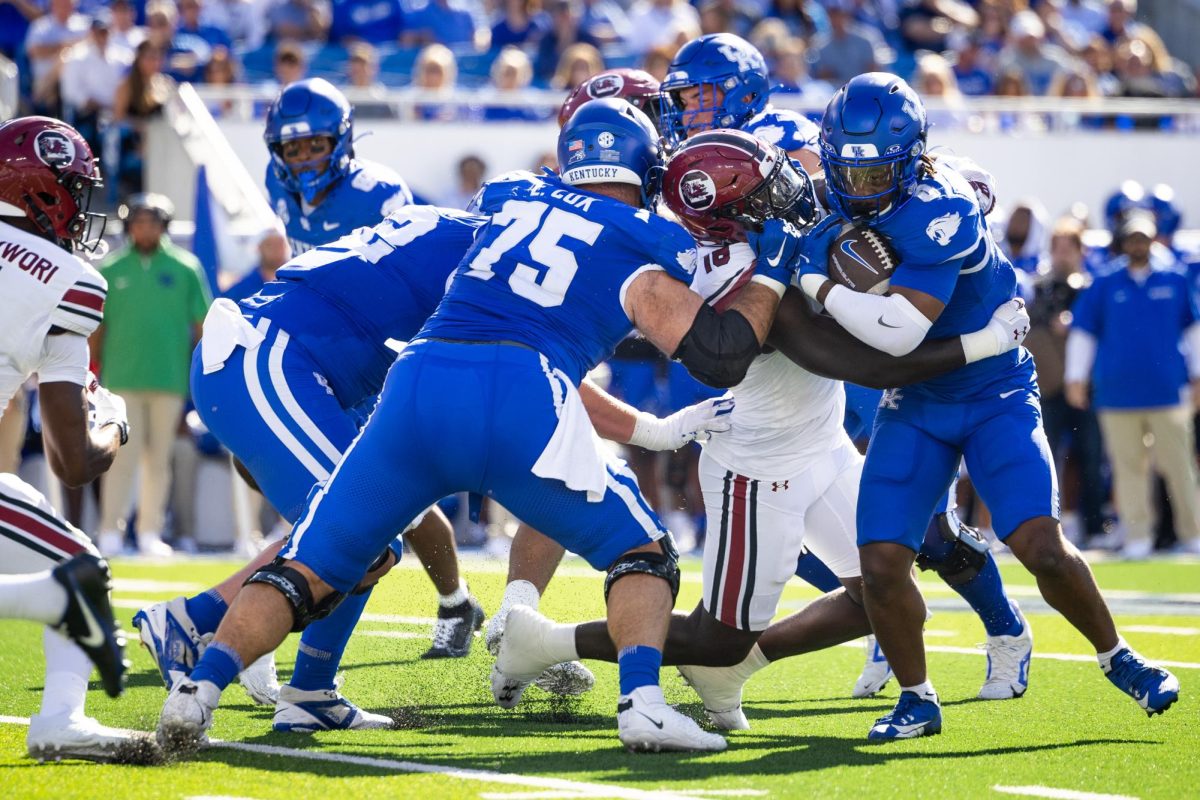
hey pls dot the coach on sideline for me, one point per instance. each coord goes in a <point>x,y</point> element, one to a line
<point>1129,336</point>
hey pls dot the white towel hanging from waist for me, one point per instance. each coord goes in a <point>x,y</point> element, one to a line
<point>574,454</point>
<point>224,330</point>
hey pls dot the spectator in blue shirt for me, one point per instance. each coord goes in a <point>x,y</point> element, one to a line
<point>15,17</point>
<point>189,23</point>
<point>373,21</point>
<point>454,23</point>
<point>973,79</point>
<point>519,23</point>
<point>1135,338</point>
<point>273,252</point>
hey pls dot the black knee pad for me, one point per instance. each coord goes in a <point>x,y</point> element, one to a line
<point>968,556</point>
<point>663,565</point>
<point>292,584</point>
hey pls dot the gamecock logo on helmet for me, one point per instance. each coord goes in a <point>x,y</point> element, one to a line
<point>606,86</point>
<point>54,148</point>
<point>697,190</point>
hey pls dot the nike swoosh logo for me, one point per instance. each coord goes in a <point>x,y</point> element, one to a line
<point>847,248</point>
<point>884,324</point>
<point>1010,393</point>
<point>329,226</point>
<point>653,721</point>
<point>95,636</point>
<point>774,262</point>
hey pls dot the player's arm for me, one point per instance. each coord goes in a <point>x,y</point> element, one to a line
<point>76,454</point>
<point>895,323</point>
<point>717,347</point>
<point>822,346</point>
<point>621,422</point>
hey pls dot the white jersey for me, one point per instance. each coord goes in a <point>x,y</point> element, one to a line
<point>42,286</point>
<point>784,416</point>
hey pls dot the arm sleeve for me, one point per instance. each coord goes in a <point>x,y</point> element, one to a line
<point>888,323</point>
<point>1081,355</point>
<point>64,359</point>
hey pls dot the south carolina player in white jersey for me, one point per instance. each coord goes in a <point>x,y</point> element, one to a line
<point>50,301</point>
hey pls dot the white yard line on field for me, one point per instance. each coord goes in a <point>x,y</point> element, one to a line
<point>1059,794</point>
<point>144,585</point>
<point>395,634</point>
<point>1163,629</point>
<point>976,651</point>
<point>569,795</point>
<point>561,785</point>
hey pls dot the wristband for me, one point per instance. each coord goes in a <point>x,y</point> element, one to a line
<point>979,345</point>
<point>122,429</point>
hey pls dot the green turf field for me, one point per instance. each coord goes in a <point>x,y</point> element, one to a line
<point>1072,731</point>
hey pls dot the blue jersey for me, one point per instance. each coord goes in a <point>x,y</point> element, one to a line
<point>550,271</point>
<point>946,251</point>
<point>789,130</point>
<point>343,301</point>
<point>365,195</point>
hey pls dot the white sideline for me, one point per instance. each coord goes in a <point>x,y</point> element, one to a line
<point>569,795</point>
<point>566,787</point>
<point>1059,794</point>
<point>976,651</point>
<point>1165,630</point>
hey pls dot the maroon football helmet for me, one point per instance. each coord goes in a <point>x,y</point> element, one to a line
<point>47,174</point>
<point>635,85</point>
<point>721,183</point>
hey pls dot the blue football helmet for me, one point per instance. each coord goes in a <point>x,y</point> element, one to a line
<point>307,108</point>
<point>1166,212</point>
<point>610,141</point>
<point>732,77</point>
<point>872,140</point>
<point>1128,196</point>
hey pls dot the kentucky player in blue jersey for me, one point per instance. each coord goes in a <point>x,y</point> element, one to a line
<point>721,80</point>
<point>485,399</point>
<point>314,182</point>
<point>951,276</point>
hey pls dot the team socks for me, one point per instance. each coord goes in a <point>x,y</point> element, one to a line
<point>219,665</point>
<point>812,570</point>
<point>36,597</point>
<point>922,690</point>
<point>455,598</point>
<point>324,642</point>
<point>1106,658</point>
<point>638,666</point>
<point>985,594</point>
<point>67,671</point>
<point>206,610</point>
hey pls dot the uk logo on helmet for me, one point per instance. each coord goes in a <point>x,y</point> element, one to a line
<point>745,60</point>
<point>605,139</point>
<point>54,148</point>
<point>697,189</point>
<point>606,86</point>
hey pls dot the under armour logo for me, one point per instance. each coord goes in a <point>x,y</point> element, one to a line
<point>777,485</point>
<point>891,399</point>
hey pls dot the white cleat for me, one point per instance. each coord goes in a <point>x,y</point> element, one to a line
<point>646,723</point>
<point>151,545</point>
<point>566,679</point>
<point>187,715</point>
<point>876,672</point>
<point>720,689</point>
<point>1008,663</point>
<point>260,681</point>
<point>76,736</point>
<point>300,711</point>
<point>522,655</point>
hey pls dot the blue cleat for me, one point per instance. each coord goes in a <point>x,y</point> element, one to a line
<point>168,633</point>
<point>300,711</point>
<point>912,717</point>
<point>1154,689</point>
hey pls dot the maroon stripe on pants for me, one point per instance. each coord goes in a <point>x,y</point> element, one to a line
<point>35,528</point>
<point>737,554</point>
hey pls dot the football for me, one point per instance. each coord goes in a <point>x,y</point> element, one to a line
<point>862,259</point>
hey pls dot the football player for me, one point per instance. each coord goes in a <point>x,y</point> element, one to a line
<point>951,274</point>
<point>50,302</point>
<point>721,81</point>
<point>314,182</point>
<point>786,475</point>
<point>493,379</point>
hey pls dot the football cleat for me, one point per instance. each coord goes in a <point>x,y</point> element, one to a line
<point>167,631</point>
<point>1008,660</point>
<point>187,715</point>
<point>913,716</point>
<point>260,681</point>
<point>300,711</point>
<point>88,620</point>
<point>455,629</point>
<point>876,672</point>
<point>522,655</point>
<point>1154,689</point>
<point>646,723</point>
<point>720,689</point>
<point>566,679</point>
<point>77,736</point>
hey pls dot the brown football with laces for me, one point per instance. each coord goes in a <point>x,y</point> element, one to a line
<point>862,259</point>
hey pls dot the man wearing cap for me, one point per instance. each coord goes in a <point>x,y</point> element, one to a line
<point>1135,341</point>
<point>157,299</point>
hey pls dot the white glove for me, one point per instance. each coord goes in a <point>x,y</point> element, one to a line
<point>1005,331</point>
<point>104,407</point>
<point>694,423</point>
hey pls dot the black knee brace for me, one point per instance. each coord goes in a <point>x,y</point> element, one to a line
<point>966,559</point>
<point>363,587</point>
<point>292,584</point>
<point>663,565</point>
